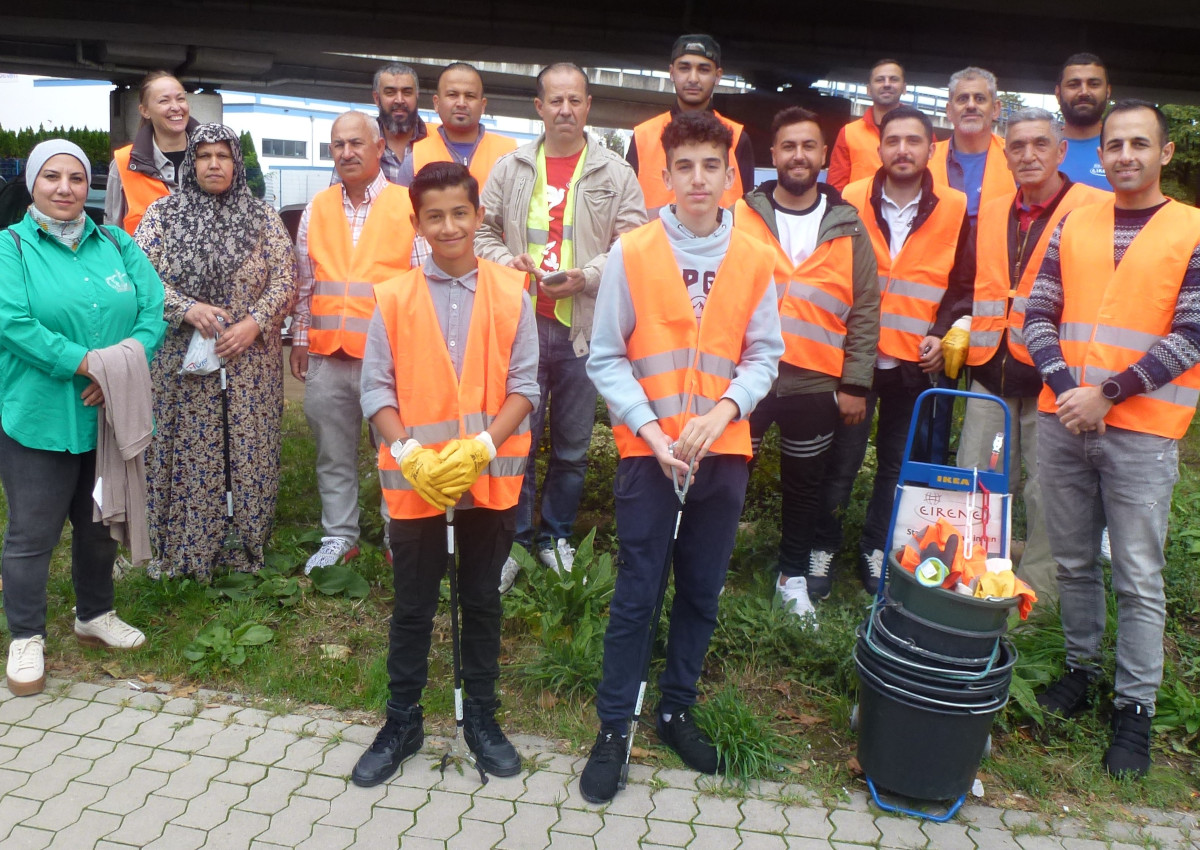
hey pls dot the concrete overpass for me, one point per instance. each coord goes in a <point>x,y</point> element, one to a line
<point>326,49</point>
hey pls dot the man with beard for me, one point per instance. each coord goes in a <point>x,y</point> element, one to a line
<point>460,138</point>
<point>826,277</point>
<point>695,70</point>
<point>395,93</point>
<point>856,151</point>
<point>556,206</point>
<point>1083,92</point>
<point>972,159</point>
<point>924,247</point>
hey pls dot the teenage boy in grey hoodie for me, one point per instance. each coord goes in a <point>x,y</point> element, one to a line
<point>685,343</point>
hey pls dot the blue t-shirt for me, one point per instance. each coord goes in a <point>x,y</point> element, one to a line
<point>1082,163</point>
<point>973,165</point>
<point>462,150</point>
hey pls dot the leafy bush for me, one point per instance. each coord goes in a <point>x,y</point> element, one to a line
<point>217,648</point>
<point>743,739</point>
<point>338,578</point>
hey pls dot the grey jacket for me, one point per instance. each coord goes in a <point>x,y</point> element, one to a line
<point>608,202</point>
<point>862,324</point>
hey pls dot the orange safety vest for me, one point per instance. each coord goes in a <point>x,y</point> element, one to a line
<point>998,306</point>
<point>435,404</point>
<point>683,368</point>
<point>491,147</point>
<point>1112,316</point>
<point>652,162</point>
<point>997,179</point>
<point>345,273</point>
<point>141,190</point>
<point>815,297</point>
<point>912,284</point>
<point>862,140</point>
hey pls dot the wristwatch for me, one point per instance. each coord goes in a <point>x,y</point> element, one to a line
<point>1111,390</point>
<point>397,448</point>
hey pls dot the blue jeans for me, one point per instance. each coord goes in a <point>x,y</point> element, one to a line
<point>646,509</point>
<point>565,386</point>
<point>1125,479</point>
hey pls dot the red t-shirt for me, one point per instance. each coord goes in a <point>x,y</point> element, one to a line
<point>558,184</point>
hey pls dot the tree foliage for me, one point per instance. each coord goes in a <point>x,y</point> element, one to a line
<point>16,144</point>
<point>1182,174</point>
<point>254,173</point>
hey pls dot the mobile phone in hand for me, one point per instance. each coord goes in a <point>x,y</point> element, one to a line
<point>554,279</point>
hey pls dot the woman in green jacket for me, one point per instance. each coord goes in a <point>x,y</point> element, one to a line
<point>66,288</point>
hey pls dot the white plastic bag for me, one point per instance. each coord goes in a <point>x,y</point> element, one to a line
<point>201,356</point>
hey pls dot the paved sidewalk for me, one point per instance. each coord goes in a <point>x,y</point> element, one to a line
<point>85,766</point>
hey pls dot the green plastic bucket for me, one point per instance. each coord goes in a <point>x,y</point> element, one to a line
<point>944,606</point>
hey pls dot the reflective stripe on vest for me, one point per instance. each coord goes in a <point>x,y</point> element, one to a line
<point>814,297</point>
<point>141,190</point>
<point>652,162</point>
<point>997,179</point>
<point>912,285</point>
<point>435,404</point>
<point>491,147</point>
<point>993,274</point>
<point>1111,317</point>
<point>343,299</point>
<point>862,140</point>
<point>537,228</point>
<point>684,367</point>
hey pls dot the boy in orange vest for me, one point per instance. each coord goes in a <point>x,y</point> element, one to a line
<point>685,343</point>
<point>449,378</point>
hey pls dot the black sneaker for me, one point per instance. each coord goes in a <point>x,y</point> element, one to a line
<point>602,773</point>
<point>493,751</point>
<point>1069,695</point>
<point>870,569</point>
<point>820,574</point>
<point>1129,754</point>
<point>401,736</point>
<point>681,734</point>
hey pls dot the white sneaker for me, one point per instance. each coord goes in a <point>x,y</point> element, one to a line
<point>794,593</point>
<point>1105,546</point>
<point>108,631</point>
<point>562,553</point>
<point>334,550</point>
<point>26,667</point>
<point>508,574</point>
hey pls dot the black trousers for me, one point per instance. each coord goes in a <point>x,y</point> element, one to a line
<point>483,540</point>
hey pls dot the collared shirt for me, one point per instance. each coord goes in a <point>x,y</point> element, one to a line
<point>899,220</point>
<point>357,217</point>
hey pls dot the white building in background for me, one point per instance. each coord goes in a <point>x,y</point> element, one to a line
<point>291,134</point>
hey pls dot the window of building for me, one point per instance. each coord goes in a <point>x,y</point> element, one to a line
<point>325,152</point>
<point>285,147</point>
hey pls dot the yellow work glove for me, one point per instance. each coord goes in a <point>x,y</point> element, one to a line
<point>954,351</point>
<point>461,462</point>
<point>418,464</point>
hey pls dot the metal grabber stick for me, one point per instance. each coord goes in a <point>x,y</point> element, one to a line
<point>681,492</point>
<point>458,748</point>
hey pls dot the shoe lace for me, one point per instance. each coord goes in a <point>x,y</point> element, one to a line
<point>392,731</point>
<point>486,726</point>
<point>609,747</point>
<point>875,563</point>
<point>819,562</point>
<point>332,546</point>
<point>114,625</point>
<point>24,653</point>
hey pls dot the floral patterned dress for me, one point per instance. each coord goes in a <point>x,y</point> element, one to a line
<point>185,463</point>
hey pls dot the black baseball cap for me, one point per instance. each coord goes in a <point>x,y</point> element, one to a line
<point>697,45</point>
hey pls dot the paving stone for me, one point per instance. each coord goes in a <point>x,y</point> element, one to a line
<point>13,810</point>
<point>24,838</point>
<point>1084,844</point>
<point>89,717</point>
<point>1014,818</point>
<point>714,838</point>
<point>558,763</point>
<point>272,794</point>
<point>358,734</point>
<point>474,835</point>
<point>158,730</point>
<point>51,781</point>
<point>20,737</point>
<point>128,697</point>
<point>85,830</point>
<point>639,774</point>
<point>620,831</point>
<point>230,742</point>
<point>212,807</point>
<point>145,824</point>
<point>545,788</point>
<point>304,754</point>
<point>856,801</point>
<point>762,816</point>
<point>8,753</point>
<point>253,717</point>
<point>410,799</point>
<point>856,827</point>
<point>808,821</point>
<point>85,691</point>
<point>41,754</point>
<point>193,778</point>
<point>321,787</point>
<point>353,809</point>
<point>464,779</point>
<point>14,710</point>
<point>193,735</point>
<point>529,828</point>
<point>385,829</point>
<point>982,816</point>
<point>674,804</point>
<point>120,726</point>
<point>948,836</point>
<point>328,838</point>
<point>340,759</point>
<point>88,748</point>
<point>219,713</point>
<point>761,841</point>
<point>319,727</point>
<point>574,800</point>
<point>238,830</point>
<point>268,748</point>
<point>67,807</point>
<point>111,845</point>
<point>165,761</point>
<point>293,723</point>
<point>668,833</point>
<point>53,714</point>
<point>438,819</point>
<point>240,773</point>
<point>177,837</point>
<point>715,811</point>
<point>185,706</point>
<point>1169,837</point>
<point>635,801</point>
<point>1072,828</point>
<point>993,839</point>
<point>293,824</point>
<point>1039,842</point>
<point>677,778</point>
<point>572,822</point>
<point>900,832</point>
<point>566,841</point>
<point>11,780</point>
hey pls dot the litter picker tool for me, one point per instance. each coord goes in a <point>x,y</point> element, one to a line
<point>458,749</point>
<point>681,492</point>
